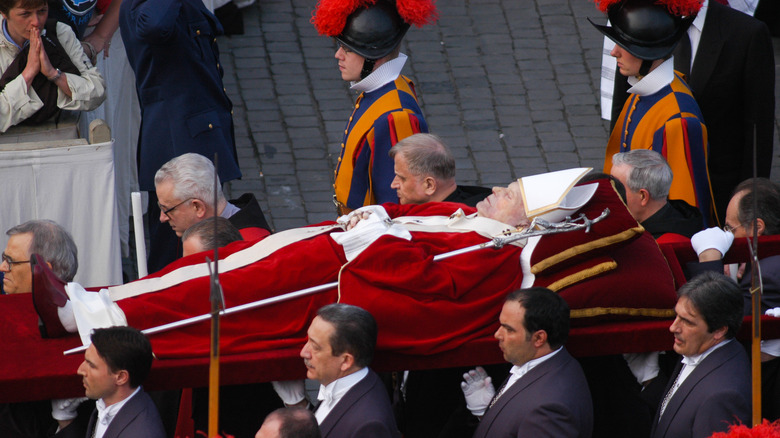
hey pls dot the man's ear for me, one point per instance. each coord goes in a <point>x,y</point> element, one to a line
<point>760,226</point>
<point>200,208</point>
<point>122,377</point>
<point>644,197</point>
<point>720,333</point>
<point>347,361</point>
<point>429,185</point>
<point>539,338</point>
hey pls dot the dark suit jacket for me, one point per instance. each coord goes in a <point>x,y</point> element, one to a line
<point>677,216</point>
<point>250,214</point>
<point>733,80</point>
<point>137,418</point>
<point>469,195</point>
<point>172,47</point>
<point>364,411</point>
<point>715,394</point>
<point>551,400</point>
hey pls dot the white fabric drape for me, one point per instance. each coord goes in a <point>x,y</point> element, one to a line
<point>73,186</point>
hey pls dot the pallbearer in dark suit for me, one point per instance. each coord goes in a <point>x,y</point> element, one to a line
<point>710,388</point>
<point>353,401</point>
<point>546,394</point>
<point>115,365</point>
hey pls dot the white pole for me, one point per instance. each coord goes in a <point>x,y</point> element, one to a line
<point>138,228</point>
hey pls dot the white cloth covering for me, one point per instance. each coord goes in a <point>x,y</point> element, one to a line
<point>93,310</point>
<point>73,186</point>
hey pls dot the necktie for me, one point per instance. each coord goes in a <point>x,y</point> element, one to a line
<point>498,393</point>
<point>671,392</point>
<point>682,56</point>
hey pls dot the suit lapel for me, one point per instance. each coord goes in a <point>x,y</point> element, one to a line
<point>710,45</point>
<point>524,382</point>
<point>350,398</point>
<point>125,415</point>
<point>92,423</point>
<point>712,362</point>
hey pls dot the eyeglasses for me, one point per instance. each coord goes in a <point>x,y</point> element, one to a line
<point>165,212</point>
<point>342,46</point>
<point>731,229</point>
<point>11,261</point>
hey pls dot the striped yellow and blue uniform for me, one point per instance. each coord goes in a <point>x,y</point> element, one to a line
<point>380,119</point>
<point>669,122</point>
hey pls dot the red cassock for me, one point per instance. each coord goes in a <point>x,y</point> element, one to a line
<point>421,306</point>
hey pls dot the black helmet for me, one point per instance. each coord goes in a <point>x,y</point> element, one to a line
<point>645,28</point>
<point>374,31</point>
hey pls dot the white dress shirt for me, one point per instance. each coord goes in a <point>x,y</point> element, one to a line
<point>689,364</point>
<point>330,395</point>
<point>519,371</point>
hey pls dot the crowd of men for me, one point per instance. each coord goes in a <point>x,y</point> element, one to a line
<point>670,149</point>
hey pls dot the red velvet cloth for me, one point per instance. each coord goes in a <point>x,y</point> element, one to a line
<point>35,369</point>
<point>253,234</point>
<point>304,264</point>
<point>414,299</point>
<point>430,314</point>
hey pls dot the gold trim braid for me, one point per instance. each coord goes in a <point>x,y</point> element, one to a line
<point>628,311</point>
<point>585,247</point>
<point>582,275</point>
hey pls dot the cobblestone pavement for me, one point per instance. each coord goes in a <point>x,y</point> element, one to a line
<point>512,86</point>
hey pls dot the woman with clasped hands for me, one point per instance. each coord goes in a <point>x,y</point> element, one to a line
<point>43,66</point>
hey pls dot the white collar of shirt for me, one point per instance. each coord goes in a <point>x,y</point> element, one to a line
<point>229,211</point>
<point>383,75</point>
<point>107,413</point>
<point>662,76</point>
<point>690,362</point>
<point>520,371</point>
<point>335,390</point>
<point>694,32</point>
<point>698,22</point>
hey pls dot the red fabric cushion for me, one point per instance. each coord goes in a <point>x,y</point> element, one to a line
<point>640,287</point>
<point>561,251</point>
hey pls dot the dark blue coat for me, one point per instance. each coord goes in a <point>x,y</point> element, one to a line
<point>172,48</point>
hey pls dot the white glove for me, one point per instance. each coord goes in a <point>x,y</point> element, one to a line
<point>712,238</point>
<point>290,391</point>
<point>478,388</point>
<point>65,408</point>
<point>774,312</point>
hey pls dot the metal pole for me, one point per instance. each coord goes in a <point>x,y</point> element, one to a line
<point>216,305</point>
<point>755,293</point>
